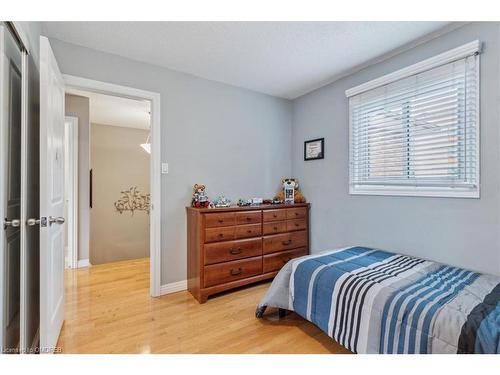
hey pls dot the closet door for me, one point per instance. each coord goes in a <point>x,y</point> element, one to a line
<point>10,190</point>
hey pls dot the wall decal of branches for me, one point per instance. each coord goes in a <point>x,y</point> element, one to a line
<point>132,200</point>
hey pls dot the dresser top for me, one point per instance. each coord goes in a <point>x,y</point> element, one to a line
<point>248,208</point>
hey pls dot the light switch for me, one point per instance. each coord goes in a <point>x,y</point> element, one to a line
<point>164,168</point>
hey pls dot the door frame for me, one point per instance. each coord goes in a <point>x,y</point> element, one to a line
<point>79,83</point>
<point>71,130</point>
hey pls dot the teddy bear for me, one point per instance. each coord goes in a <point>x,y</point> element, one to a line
<point>200,198</point>
<point>288,183</point>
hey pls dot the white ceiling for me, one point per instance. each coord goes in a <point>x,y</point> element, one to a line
<point>117,111</point>
<point>284,59</point>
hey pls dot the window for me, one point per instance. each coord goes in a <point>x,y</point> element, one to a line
<point>416,131</point>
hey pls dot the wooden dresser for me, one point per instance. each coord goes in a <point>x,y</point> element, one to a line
<point>235,246</point>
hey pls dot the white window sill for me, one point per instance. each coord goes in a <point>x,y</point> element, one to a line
<point>412,191</point>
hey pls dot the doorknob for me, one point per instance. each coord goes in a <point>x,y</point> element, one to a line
<point>31,222</point>
<point>14,223</point>
<point>56,220</point>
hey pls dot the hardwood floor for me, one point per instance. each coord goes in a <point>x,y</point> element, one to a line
<point>108,310</point>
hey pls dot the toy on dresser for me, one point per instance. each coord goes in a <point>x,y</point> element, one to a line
<point>222,201</point>
<point>200,198</point>
<point>290,192</point>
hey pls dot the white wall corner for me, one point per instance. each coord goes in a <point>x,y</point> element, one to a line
<point>178,286</point>
<point>83,263</point>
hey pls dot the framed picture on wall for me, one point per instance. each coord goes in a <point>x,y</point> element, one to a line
<point>314,149</point>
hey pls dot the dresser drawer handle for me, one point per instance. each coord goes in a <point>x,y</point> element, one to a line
<point>296,214</point>
<point>249,218</point>
<point>249,231</point>
<point>286,242</point>
<point>221,221</point>
<point>297,224</point>
<point>221,235</point>
<point>235,251</point>
<point>275,228</point>
<point>236,272</point>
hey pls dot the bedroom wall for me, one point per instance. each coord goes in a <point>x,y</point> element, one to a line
<point>235,141</point>
<point>462,232</point>
<point>118,163</point>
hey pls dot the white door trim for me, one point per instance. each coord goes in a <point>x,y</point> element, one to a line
<point>72,178</point>
<point>78,83</point>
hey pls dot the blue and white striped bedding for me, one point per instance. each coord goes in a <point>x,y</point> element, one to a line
<point>373,301</point>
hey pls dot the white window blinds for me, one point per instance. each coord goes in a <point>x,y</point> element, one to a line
<point>418,133</point>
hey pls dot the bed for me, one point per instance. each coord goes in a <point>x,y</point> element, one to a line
<point>374,301</point>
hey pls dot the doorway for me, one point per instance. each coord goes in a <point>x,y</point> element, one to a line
<point>119,181</point>
<point>122,221</point>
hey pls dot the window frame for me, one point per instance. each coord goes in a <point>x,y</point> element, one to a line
<point>472,48</point>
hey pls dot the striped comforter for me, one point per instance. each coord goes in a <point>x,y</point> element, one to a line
<point>373,301</point>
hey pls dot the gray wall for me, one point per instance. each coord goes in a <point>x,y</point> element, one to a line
<point>462,232</point>
<point>118,163</point>
<point>79,106</point>
<point>235,141</point>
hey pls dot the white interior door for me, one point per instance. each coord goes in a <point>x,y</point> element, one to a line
<point>51,198</point>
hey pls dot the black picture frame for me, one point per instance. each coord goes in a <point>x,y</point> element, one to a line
<point>321,154</point>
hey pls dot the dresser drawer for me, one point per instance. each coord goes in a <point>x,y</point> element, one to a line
<point>296,213</point>
<point>296,224</point>
<point>286,241</point>
<point>276,261</point>
<point>248,217</point>
<point>274,215</point>
<point>274,227</point>
<point>232,250</point>
<point>231,271</point>
<point>219,234</point>
<point>219,219</point>
<point>245,231</point>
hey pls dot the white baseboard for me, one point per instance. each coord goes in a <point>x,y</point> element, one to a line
<point>83,263</point>
<point>173,287</point>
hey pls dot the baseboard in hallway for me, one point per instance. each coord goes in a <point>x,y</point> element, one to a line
<point>82,263</point>
<point>177,286</point>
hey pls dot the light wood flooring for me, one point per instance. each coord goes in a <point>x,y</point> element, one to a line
<point>108,310</point>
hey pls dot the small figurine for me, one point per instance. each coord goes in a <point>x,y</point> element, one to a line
<point>243,202</point>
<point>290,192</point>
<point>222,201</point>
<point>200,199</point>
